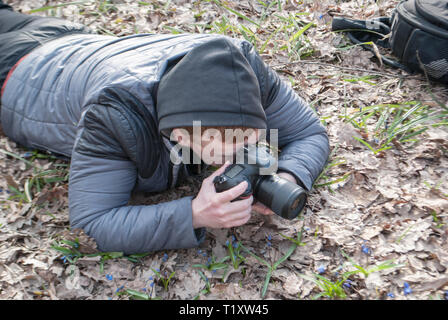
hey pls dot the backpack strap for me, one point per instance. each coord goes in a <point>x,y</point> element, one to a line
<point>373,30</point>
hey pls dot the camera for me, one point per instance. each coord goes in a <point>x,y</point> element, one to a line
<point>283,197</point>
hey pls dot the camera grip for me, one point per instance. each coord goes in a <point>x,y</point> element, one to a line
<point>223,184</point>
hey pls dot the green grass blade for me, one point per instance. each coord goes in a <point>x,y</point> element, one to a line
<point>266,283</point>
<point>138,295</point>
<point>19,157</point>
<point>301,31</point>
<point>242,16</point>
<point>344,177</point>
<point>286,256</point>
<point>46,8</point>
<point>296,241</point>
<point>416,122</point>
<point>256,257</point>
<point>403,118</point>
<point>263,47</point>
<point>383,117</point>
<point>365,143</point>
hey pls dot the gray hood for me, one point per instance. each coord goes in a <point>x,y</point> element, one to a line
<point>213,83</point>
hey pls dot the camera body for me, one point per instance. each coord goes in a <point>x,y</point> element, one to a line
<point>285,198</point>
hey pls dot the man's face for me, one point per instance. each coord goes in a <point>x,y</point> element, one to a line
<point>213,148</point>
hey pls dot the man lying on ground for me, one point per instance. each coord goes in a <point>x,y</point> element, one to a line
<point>112,105</point>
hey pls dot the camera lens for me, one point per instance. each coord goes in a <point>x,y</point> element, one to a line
<point>285,198</point>
<point>295,204</point>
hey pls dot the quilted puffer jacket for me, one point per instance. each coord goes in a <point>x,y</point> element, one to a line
<point>105,101</point>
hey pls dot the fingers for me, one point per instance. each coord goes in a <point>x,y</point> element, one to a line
<point>217,172</point>
<point>262,209</point>
<point>240,205</point>
<point>233,193</point>
<point>240,219</point>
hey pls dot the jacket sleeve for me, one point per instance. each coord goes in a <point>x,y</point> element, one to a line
<point>302,139</point>
<point>100,188</point>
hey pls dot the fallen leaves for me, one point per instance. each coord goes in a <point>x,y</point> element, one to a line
<point>395,200</point>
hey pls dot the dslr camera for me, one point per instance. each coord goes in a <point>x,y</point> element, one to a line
<point>283,197</point>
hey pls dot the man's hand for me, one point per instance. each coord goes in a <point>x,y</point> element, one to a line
<point>214,210</point>
<point>261,208</point>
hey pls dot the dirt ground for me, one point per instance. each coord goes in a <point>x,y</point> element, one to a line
<point>369,207</point>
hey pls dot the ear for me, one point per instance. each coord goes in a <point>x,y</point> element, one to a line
<point>181,136</point>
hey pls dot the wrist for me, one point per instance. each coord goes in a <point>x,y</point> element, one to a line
<point>287,176</point>
<point>195,212</point>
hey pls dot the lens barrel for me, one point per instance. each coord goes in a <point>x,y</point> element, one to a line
<point>285,198</point>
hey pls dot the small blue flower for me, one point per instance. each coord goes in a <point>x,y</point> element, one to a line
<point>214,270</point>
<point>158,270</point>
<point>347,284</point>
<point>233,238</point>
<point>150,278</point>
<point>1,190</point>
<point>64,259</point>
<point>209,260</point>
<point>446,295</point>
<point>151,284</point>
<point>365,249</point>
<point>268,243</point>
<point>109,277</point>
<point>235,245</point>
<point>269,237</point>
<point>119,289</point>
<point>199,251</point>
<point>165,257</point>
<point>407,289</point>
<point>27,154</point>
<point>204,254</point>
<point>227,243</point>
<point>391,295</point>
<point>321,269</point>
<point>144,289</point>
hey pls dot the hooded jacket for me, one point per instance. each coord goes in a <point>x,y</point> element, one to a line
<point>105,102</point>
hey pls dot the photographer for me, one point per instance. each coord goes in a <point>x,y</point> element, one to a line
<point>111,104</point>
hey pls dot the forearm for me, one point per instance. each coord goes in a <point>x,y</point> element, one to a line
<point>305,158</point>
<point>99,191</point>
<point>138,229</point>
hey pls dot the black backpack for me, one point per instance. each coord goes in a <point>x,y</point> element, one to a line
<point>417,34</point>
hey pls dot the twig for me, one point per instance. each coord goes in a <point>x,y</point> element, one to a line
<point>422,66</point>
<point>386,74</point>
<point>52,292</point>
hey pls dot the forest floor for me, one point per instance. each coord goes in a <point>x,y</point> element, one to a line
<point>376,223</point>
